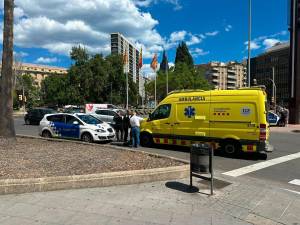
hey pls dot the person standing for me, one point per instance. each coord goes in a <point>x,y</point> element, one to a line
<point>126,125</point>
<point>118,125</point>
<point>135,129</point>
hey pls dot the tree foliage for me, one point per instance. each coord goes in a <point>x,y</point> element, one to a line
<point>183,55</point>
<point>164,66</point>
<point>182,76</point>
<point>91,79</point>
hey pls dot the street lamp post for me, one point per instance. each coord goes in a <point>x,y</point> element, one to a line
<point>249,41</point>
<point>274,93</point>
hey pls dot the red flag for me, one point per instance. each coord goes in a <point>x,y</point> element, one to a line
<point>154,62</point>
<point>141,59</point>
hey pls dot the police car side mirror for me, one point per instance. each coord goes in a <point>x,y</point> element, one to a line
<point>75,123</point>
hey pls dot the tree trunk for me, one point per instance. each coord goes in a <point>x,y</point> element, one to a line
<point>7,129</point>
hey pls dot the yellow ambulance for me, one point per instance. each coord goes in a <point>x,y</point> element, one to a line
<point>235,120</point>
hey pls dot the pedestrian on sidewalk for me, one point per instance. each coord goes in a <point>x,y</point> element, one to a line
<point>118,125</point>
<point>135,129</point>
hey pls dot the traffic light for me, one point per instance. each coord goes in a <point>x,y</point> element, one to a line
<point>273,100</point>
<point>20,97</point>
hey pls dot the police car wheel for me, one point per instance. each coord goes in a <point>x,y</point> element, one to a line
<point>46,134</point>
<point>146,140</point>
<point>87,138</point>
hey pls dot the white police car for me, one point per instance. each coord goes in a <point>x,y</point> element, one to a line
<point>273,119</point>
<point>75,126</point>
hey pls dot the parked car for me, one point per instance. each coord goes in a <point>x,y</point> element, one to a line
<point>273,119</point>
<point>75,126</point>
<point>35,115</point>
<point>107,115</point>
<point>74,109</point>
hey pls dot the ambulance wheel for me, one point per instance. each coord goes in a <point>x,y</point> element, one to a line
<point>146,140</point>
<point>46,134</point>
<point>86,137</point>
<point>231,147</point>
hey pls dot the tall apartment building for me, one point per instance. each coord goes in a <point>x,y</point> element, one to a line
<point>120,45</point>
<point>225,76</point>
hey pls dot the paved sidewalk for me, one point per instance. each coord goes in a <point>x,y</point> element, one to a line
<point>289,128</point>
<point>154,203</point>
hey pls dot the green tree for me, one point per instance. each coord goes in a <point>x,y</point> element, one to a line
<point>164,66</point>
<point>54,90</point>
<point>183,55</point>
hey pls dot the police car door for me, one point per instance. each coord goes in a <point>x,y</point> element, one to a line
<point>71,128</point>
<point>161,123</point>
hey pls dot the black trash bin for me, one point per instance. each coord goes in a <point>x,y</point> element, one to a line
<point>200,160</point>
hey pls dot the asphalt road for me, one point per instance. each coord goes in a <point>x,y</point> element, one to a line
<point>284,143</point>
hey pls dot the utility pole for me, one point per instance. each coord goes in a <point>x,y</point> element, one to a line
<point>274,87</point>
<point>126,90</point>
<point>249,42</point>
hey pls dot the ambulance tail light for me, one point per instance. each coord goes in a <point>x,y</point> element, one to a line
<point>262,132</point>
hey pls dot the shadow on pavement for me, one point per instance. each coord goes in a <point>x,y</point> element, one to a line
<point>175,185</point>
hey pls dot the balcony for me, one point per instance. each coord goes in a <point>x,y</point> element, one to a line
<point>231,82</point>
<point>231,77</point>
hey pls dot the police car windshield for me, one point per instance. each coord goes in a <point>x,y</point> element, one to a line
<point>89,119</point>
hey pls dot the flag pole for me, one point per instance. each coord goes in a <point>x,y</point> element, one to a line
<point>167,74</point>
<point>155,89</point>
<point>126,89</point>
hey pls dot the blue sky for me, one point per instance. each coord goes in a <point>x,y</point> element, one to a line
<point>214,30</point>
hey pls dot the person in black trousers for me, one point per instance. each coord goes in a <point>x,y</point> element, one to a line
<point>118,126</point>
<point>126,125</point>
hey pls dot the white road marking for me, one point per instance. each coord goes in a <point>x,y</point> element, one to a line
<point>261,165</point>
<point>296,182</point>
<point>296,192</point>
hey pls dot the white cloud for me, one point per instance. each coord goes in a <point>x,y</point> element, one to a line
<point>178,36</point>
<point>19,55</point>
<point>46,60</point>
<point>214,33</point>
<point>228,28</point>
<point>147,3</point>
<point>253,45</point>
<point>57,25</point>
<point>270,42</point>
<point>198,52</point>
<point>193,40</point>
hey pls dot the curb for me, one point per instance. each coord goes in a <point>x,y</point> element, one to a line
<point>18,186</point>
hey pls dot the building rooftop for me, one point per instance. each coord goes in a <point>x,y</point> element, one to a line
<point>277,47</point>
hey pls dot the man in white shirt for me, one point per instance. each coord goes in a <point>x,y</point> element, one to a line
<point>135,128</point>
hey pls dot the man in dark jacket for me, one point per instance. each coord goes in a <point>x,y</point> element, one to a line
<point>118,126</point>
<point>126,125</point>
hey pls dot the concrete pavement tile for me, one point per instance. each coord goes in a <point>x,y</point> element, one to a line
<point>88,218</point>
<point>203,217</point>
<point>230,209</point>
<point>22,221</point>
<point>226,220</point>
<point>258,220</point>
<point>152,216</point>
<point>122,221</point>
<point>292,214</point>
<point>63,203</point>
<point>54,215</point>
<point>273,205</point>
<point>23,210</point>
<point>3,217</point>
<point>174,206</point>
